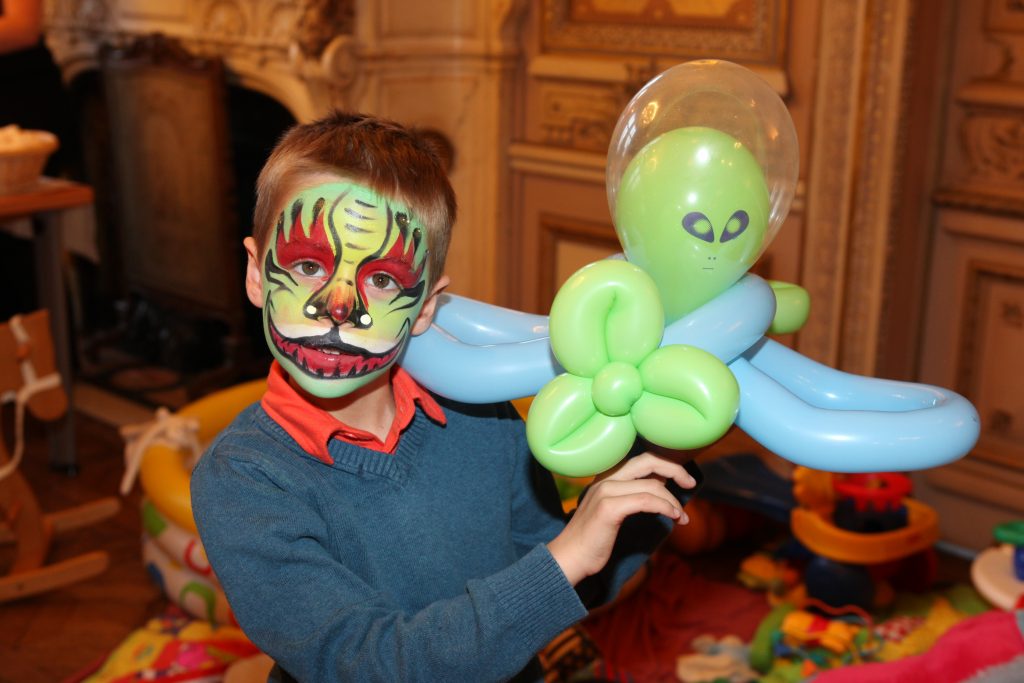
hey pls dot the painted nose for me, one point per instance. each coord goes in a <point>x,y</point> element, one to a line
<point>339,306</point>
<point>335,303</point>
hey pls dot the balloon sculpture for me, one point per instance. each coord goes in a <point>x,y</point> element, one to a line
<point>669,343</point>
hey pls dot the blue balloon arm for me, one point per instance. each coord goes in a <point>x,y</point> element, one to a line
<point>480,353</point>
<point>830,420</point>
<point>730,323</point>
<point>827,387</point>
<point>476,322</point>
<point>474,373</point>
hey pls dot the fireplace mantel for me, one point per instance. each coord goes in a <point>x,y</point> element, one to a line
<point>446,65</point>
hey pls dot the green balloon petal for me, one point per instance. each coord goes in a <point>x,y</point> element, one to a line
<point>607,311</point>
<point>690,398</point>
<point>568,436</point>
<point>792,307</point>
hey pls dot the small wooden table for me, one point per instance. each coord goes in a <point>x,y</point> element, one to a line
<point>48,201</point>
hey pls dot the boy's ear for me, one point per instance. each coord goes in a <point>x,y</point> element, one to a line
<point>253,277</point>
<point>426,316</point>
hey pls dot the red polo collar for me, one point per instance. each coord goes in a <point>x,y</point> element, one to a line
<point>313,428</point>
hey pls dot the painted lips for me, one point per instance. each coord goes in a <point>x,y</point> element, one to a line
<point>325,356</point>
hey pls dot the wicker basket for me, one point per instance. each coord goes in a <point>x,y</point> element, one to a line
<point>22,163</point>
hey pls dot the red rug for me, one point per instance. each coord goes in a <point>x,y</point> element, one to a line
<point>642,636</point>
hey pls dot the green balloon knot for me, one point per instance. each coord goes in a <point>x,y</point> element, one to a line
<point>617,386</point>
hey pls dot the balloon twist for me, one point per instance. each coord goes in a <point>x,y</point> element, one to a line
<point>606,325</point>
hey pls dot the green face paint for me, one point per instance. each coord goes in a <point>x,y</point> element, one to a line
<point>344,278</point>
<point>692,210</point>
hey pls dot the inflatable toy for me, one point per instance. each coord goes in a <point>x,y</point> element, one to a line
<point>166,466</point>
<point>701,172</point>
<point>195,594</point>
<point>181,546</point>
<point>165,450</point>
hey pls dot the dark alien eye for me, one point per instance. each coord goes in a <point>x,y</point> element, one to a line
<point>402,220</point>
<point>698,225</point>
<point>735,226</point>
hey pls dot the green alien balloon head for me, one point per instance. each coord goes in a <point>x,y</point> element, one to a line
<point>702,168</point>
<point>693,212</point>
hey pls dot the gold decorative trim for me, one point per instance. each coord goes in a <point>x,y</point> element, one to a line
<point>756,33</point>
<point>973,199</point>
<point>630,73</point>
<point>557,163</point>
<point>831,168</point>
<point>857,122</point>
<point>875,175</point>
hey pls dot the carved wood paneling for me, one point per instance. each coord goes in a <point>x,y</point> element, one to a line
<point>853,179</point>
<point>988,173</point>
<point>739,30</point>
<point>972,344</point>
<point>566,245</point>
<point>989,362</point>
<point>974,333</point>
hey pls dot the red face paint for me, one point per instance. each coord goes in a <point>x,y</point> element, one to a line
<point>299,247</point>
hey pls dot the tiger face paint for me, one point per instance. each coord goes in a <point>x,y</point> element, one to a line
<point>344,279</point>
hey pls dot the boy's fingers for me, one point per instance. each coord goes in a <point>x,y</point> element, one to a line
<point>648,464</point>
<point>621,507</point>
<point>635,487</point>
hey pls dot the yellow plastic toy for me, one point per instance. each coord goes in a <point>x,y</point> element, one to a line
<point>811,524</point>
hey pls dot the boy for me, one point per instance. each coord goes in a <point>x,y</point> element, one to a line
<point>362,528</point>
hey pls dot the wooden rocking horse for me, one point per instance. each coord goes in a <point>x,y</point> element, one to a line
<point>28,377</point>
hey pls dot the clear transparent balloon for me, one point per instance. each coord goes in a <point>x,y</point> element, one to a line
<point>721,95</point>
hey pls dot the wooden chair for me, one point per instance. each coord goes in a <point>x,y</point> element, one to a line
<point>29,379</point>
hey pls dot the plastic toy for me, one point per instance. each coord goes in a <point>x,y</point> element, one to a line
<point>28,377</point>
<point>174,647</point>
<point>165,451</point>
<point>863,531</point>
<point>870,534</point>
<point>1012,534</point>
<point>998,573</point>
<point>803,628</point>
<point>702,169</point>
<point>715,660</point>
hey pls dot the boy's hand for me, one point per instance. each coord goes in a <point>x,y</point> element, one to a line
<point>584,546</point>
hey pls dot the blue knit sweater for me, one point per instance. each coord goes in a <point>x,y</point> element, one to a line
<point>429,564</point>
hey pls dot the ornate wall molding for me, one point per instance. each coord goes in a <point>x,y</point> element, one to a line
<point>991,144</point>
<point>447,65</point>
<point>880,153</point>
<point>993,324</point>
<point>270,47</point>
<point>858,118</point>
<point>829,178</point>
<point>738,30</point>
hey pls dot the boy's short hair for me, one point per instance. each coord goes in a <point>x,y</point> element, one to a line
<point>392,160</point>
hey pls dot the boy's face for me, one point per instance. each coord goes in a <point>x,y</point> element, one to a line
<point>344,278</point>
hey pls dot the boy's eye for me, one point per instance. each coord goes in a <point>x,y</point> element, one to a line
<point>310,268</point>
<point>382,281</point>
